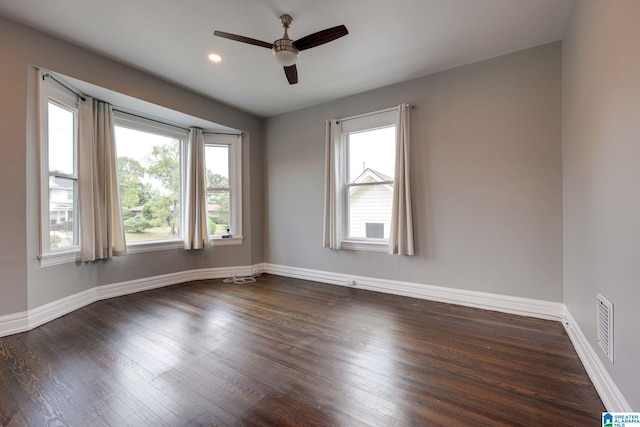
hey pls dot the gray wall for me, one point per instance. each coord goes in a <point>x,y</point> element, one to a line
<point>601,143</point>
<point>23,283</point>
<point>486,177</point>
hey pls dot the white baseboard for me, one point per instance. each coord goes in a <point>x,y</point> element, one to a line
<point>26,320</point>
<point>604,384</point>
<point>48,312</point>
<point>507,304</point>
<point>14,323</point>
<point>611,396</point>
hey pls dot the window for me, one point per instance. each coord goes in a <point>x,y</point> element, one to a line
<point>368,162</point>
<point>224,187</point>
<point>151,169</point>
<point>150,156</point>
<point>375,230</point>
<point>59,219</point>
<point>150,164</point>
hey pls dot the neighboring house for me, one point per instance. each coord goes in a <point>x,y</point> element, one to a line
<point>137,210</point>
<point>60,200</point>
<point>370,205</point>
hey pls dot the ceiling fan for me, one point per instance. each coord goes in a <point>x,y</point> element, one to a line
<point>286,50</point>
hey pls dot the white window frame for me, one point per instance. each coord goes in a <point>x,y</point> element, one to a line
<point>142,124</point>
<point>234,142</point>
<point>49,91</point>
<point>69,99</point>
<point>348,126</point>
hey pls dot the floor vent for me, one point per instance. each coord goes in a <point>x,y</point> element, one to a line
<point>605,326</point>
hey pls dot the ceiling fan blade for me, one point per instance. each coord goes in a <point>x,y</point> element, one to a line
<point>292,74</point>
<point>321,37</point>
<point>243,39</point>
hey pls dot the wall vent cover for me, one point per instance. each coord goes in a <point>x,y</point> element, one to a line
<point>605,326</point>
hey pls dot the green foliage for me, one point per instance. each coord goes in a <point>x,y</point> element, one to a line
<point>147,211</point>
<point>212,226</point>
<point>218,195</point>
<point>126,214</point>
<point>54,240</point>
<point>165,166</point>
<point>146,193</point>
<point>159,210</point>
<point>130,171</point>
<point>136,225</point>
<point>215,180</point>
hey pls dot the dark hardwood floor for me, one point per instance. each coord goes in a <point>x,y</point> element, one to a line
<point>286,352</point>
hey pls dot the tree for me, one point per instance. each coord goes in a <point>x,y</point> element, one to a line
<point>165,167</point>
<point>218,194</point>
<point>130,172</point>
<point>158,211</point>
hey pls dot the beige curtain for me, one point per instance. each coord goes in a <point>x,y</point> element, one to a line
<point>332,217</point>
<point>401,236</point>
<point>197,230</point>
<point>101,229</point>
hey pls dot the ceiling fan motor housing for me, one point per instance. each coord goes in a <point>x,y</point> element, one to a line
<point>285,52</point>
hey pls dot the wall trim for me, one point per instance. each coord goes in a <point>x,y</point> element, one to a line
<point>607,389</point>
<point>14,323</point>
<point>51,311</point>
<point>605,386</point>
<point>507,304</point>
<point>26,320</point>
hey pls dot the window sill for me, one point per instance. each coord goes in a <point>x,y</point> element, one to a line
<point>225,241</point>
<point>362,245</point>
<point>150,246</point>
<point>133,248</point>
<point>59,258</point>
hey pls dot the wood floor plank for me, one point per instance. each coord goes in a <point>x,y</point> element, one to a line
<point>293,353</point>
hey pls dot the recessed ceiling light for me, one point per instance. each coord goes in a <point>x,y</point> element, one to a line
<point>214,57</point>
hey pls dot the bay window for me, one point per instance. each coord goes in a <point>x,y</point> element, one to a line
<point>58,143</point>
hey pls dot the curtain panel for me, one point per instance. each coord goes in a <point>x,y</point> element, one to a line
<point>197,227</point>
<point>101,228</point>
<point>401,235</point>
<point>332,188</point>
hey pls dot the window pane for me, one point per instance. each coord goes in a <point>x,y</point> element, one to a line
<point>149,176</point>
<point>218,194</point>
<point>62,227</point>
<point>369,204</point>
<point>371,162</point>
<point>374,150</point>
<point>61,138</point>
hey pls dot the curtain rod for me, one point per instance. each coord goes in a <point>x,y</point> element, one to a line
<point>222,133</point>
<point>66,86</point>
<point>412,106</point>
<point>128,113</point>
<point>172,125</point>
<point>82,96</point>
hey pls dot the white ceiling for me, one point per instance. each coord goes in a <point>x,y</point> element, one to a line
<point>388,41</point>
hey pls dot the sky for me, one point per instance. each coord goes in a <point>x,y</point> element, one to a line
<point>374,149</point>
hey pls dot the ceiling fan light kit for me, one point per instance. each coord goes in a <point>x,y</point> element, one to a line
<point>286,50</point>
